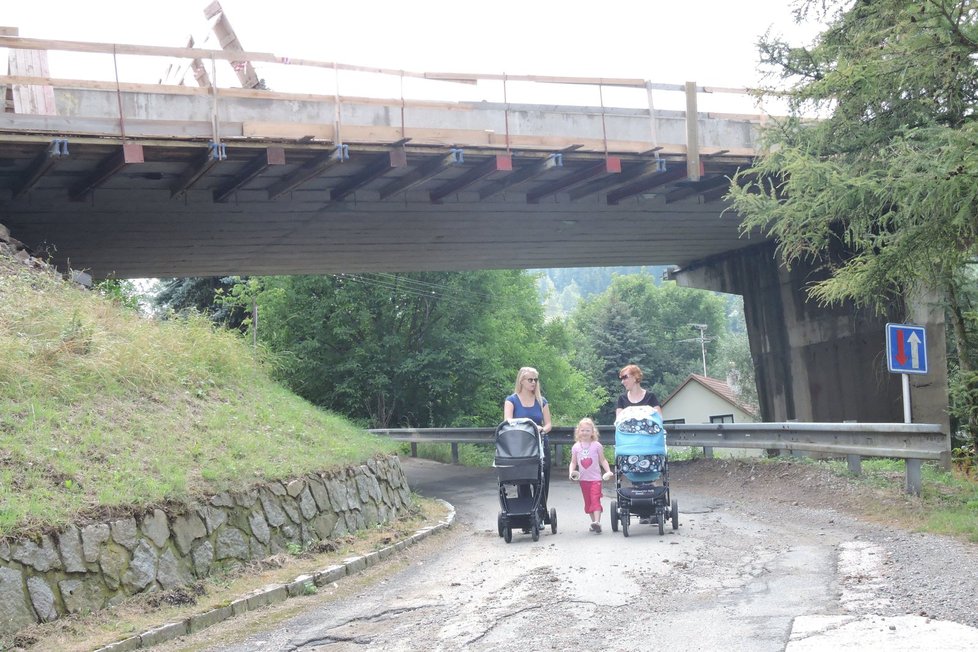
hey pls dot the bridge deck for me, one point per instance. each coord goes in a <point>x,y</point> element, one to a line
<point>131,179</point>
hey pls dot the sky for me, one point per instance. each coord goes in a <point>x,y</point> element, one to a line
<point>711,42</point>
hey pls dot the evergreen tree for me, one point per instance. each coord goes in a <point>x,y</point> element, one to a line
<point>882,189</point>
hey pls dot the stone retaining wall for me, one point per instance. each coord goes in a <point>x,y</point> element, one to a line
<point>83,569</point>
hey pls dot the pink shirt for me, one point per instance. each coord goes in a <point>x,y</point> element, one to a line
<point>588,456</point>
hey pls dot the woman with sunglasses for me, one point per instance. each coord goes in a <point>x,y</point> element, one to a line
<point>631,379</point>
<point>527,402</point>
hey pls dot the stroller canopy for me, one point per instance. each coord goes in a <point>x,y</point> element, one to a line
<point>517,439</point>
<point>640,444</point>
<point>639,431</point>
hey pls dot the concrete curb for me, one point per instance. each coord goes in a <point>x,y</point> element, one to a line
<point>275,593</point>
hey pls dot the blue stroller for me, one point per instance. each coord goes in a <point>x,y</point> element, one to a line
<point>640,457</point>
<point>523,479</point>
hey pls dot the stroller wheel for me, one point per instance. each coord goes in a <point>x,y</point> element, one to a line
<point>625,519</point>
<point>535,528</point>
<point>614,516</point>
<point>500,523</point>
<point>553,520</point>
<point>675,514</point>
<point>508,535</point>
<point>661,520</point>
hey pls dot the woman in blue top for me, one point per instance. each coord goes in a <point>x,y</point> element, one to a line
<point>527,402</point>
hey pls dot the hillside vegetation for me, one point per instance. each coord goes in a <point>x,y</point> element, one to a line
<point>104,411</point>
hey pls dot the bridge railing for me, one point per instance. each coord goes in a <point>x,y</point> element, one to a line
<point>636,116</point>
<point>913,442</point>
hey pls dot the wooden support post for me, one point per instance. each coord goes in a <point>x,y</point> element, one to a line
<point>693,169</point>
<point>454,452</point>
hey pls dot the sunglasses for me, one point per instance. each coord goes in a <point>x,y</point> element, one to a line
<point>623,377</point>
<point>531,380</point>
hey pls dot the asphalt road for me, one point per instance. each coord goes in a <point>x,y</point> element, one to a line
<point>728,579</point>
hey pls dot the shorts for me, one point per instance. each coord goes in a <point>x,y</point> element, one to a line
<point>592,495</point>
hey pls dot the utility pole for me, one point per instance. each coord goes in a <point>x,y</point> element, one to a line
<point>702,339</point>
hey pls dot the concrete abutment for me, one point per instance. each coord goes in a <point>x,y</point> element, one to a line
<point>824,364</point>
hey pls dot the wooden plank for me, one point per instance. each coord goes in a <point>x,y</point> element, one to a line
<point>449,138</point>
<point>266,57</point>
<point>31,98</point>
<point>230,43</point>
<point>693,168</point>
<point>289,130</point>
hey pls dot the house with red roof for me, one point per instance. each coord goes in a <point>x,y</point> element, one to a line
<point>700,399</point>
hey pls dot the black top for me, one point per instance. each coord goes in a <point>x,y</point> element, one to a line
<point>650,399</point>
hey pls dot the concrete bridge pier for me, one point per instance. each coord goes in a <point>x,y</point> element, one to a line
<point>823,364</point>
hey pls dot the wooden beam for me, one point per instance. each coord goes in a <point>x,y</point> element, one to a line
<point>44,161</point>
<point>230,43</point>
<point>714,194</point>
<point>693,170</point>
<point>628,174</point>
<point>644,184</point>
<point>308,170</point>
<point>524,173</point>
<point>257,165</point>
<point>383,163</point>
<point>497,163</point>
<point>421,174</point>
<point>610,166</point>
<point>128,154</point>
<point>685,189</point>
<point>199,167</point>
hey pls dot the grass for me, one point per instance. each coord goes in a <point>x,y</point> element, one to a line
<point>102,410</point>
<point>948,501</point>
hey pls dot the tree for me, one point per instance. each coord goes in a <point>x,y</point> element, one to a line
<point>425,349</point>
<point>203,295</point>
<point>881,190</point>
<point>636,321</point>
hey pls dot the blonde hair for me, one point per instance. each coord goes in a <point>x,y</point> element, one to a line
<point>596,436</point>
<point>523,373</point>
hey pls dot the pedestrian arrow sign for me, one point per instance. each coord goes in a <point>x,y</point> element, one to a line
<point>906,349</point>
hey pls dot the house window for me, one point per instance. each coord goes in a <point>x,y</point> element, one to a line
<point>672,422</point>
<point>722,418</point>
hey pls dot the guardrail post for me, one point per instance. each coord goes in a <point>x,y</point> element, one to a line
<point>454,452</point>
<point>414,449</point>
<point>913,476</point>
<point>855,463</point>
<point>708,452</point>
<point>558,454</point>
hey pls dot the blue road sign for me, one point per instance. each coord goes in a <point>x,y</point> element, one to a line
<point>906,349</point>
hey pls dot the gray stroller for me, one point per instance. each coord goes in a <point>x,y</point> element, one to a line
<point>523,479</point>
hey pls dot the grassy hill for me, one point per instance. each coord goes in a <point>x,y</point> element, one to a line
<point>103,411</point>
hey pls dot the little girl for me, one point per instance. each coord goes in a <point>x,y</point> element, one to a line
<point>587,460</point>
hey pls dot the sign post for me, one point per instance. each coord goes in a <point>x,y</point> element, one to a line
<point>906,353</point>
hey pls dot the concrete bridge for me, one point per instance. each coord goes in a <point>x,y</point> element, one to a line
<point>128,179</point>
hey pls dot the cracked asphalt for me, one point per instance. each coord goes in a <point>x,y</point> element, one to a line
<point>735,576</point>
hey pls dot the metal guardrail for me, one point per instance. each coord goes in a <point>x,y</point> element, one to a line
<point>913,442</point>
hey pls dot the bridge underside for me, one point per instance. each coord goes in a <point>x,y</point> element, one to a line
<point>465,209</point>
